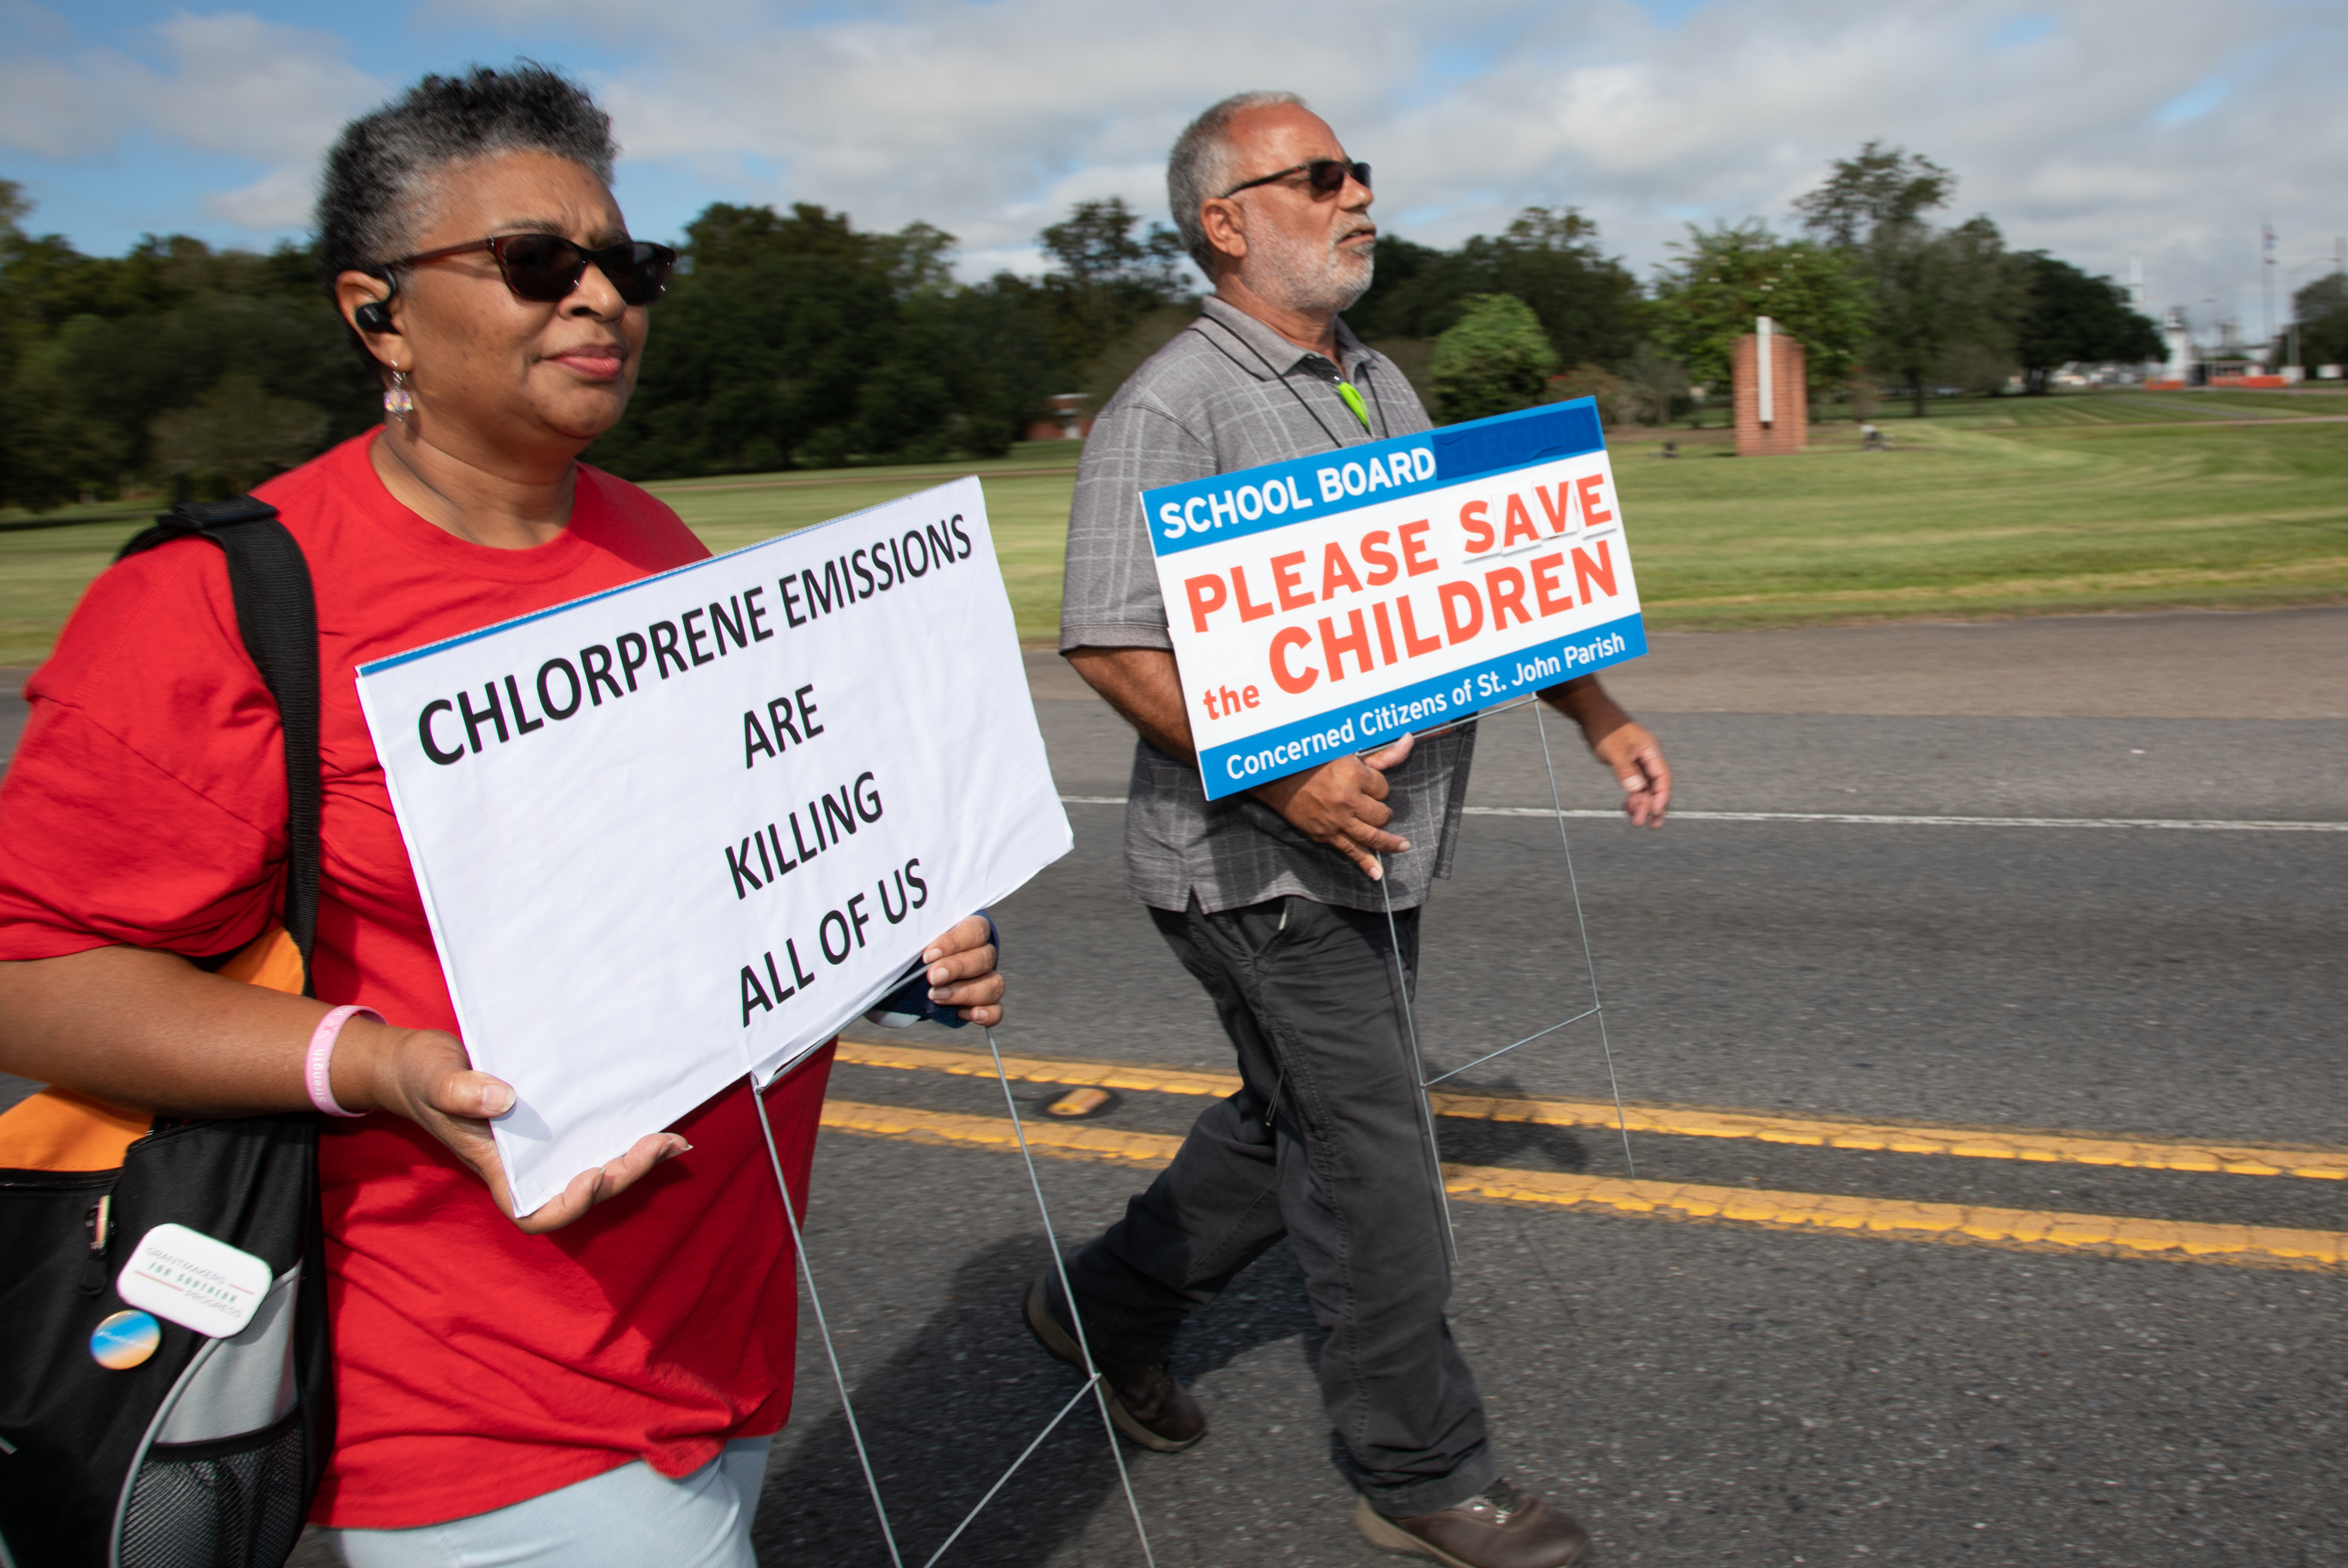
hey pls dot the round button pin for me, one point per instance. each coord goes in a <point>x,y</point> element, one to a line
<point>125,1340</point>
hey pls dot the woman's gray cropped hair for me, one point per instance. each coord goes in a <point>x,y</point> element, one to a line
<point>1199,166</point>
<point>381,172</point>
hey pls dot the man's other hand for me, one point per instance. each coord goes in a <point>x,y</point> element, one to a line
<point>1343,804</point>
<point>1638,767</point>
<point>1622,743</point>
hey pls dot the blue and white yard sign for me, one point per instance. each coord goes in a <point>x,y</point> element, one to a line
<point>1332,604</point>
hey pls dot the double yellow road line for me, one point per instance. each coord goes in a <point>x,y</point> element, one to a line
<point>2255,1245</point>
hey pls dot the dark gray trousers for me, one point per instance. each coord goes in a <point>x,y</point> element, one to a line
<point>1323,1143</point>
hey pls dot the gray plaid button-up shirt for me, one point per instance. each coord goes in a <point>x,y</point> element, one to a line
<point>1230,393</point>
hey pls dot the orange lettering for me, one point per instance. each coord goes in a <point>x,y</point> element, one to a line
<point>1249,609</point>
<point>1592,513</point>
<point>1521,523</point>
<point>1206,598</point>
<point>1560,509</point>
<point>1506,588</point>
<point>1383,569</point>
<point>1546,584</point>
<point>1414,548</point>
<point>1460,627</point>
<point>1586,571</point>
<point>1285,583</point>
<point>1479,532</point>
<point>1334,648</point>
<point>1337,572</point>
<point>1290,681</point>
<point>1412,642</point>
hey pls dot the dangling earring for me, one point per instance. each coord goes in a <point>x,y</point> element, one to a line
<point>397,401</point>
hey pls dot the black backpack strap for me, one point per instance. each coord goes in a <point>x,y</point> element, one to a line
<point>277,616</point>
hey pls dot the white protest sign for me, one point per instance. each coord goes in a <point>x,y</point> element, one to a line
<point>687,829</point>
<point>1328,604</point>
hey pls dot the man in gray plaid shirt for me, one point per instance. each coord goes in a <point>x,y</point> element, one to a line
<point>1271,898</point>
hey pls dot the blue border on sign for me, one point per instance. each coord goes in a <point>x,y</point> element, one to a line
<point>1207,511</point>
<point>1355,726</point>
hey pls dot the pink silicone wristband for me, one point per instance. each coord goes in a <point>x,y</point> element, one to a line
<point>321,1052</point>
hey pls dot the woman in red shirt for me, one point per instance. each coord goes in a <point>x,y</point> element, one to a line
<point>594,1382</point>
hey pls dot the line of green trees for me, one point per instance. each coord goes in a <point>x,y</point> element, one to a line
<point>794,339</point>
<point>1879,293</point>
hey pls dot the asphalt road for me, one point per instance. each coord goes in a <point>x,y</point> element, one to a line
<point>1718,1393</point>
<point>1714,1393</point>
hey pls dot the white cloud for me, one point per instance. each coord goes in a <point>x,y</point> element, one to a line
<point>42,108</point>
<point>2160,127</point>
<point>2095,129</point>
<point>240,85</point>
<point>279,200</point>
<point>228,84</point>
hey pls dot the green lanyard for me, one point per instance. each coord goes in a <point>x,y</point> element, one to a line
<point>1354,400</point>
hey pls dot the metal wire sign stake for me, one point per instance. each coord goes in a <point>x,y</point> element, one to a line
<point>1092,1384</point>
<point>1589,966</point>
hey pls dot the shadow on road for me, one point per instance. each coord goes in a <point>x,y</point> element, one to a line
<point>1518,1146</point>
<point>958,1399</point>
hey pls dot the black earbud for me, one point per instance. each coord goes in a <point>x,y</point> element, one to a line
<point>374,316</point>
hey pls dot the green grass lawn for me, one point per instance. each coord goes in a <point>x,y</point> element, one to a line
<point>44,571</point>
<point>1968,521</point>
<point>2108,501</point>
<point>1026,510</point>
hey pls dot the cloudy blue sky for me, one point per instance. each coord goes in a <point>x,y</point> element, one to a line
<point>2101,129</point>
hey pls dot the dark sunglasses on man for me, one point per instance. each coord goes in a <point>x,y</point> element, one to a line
<point>1326,176</point>
<point>545,268</point>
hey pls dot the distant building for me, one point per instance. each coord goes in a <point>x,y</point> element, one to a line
<point>2173,331</point>
<point>1770,398</point>
<point>1066,420</point>
<point>2230,363</point>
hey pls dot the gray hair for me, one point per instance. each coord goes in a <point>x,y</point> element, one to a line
<point>1199,166</point>
<point>381,172</point>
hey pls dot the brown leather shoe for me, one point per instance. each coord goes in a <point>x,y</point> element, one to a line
<point>1504,1528</point>
<point>1144,1403</point>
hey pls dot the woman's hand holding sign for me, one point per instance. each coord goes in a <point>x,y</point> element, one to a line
<point>189,1044</point>
<point>961,972</point>
<point>425,1076</point>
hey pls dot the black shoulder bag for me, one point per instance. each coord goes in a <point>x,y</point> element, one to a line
<point>207,1453</point>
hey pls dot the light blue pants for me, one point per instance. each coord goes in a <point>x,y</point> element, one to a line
<point>631,1517</point>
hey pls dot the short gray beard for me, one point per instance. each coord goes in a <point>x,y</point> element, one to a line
<point>1297,276</point>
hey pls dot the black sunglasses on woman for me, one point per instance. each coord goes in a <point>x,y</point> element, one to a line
<point>545,268</point>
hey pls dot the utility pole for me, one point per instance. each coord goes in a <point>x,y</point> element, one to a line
<point>2266,274</point>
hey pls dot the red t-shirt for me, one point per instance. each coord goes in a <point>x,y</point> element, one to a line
<point>475,1365</point>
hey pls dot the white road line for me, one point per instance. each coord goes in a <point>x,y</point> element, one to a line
<point>2174,825</point>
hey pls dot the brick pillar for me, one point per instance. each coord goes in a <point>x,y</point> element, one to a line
<point>1789,429</point>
